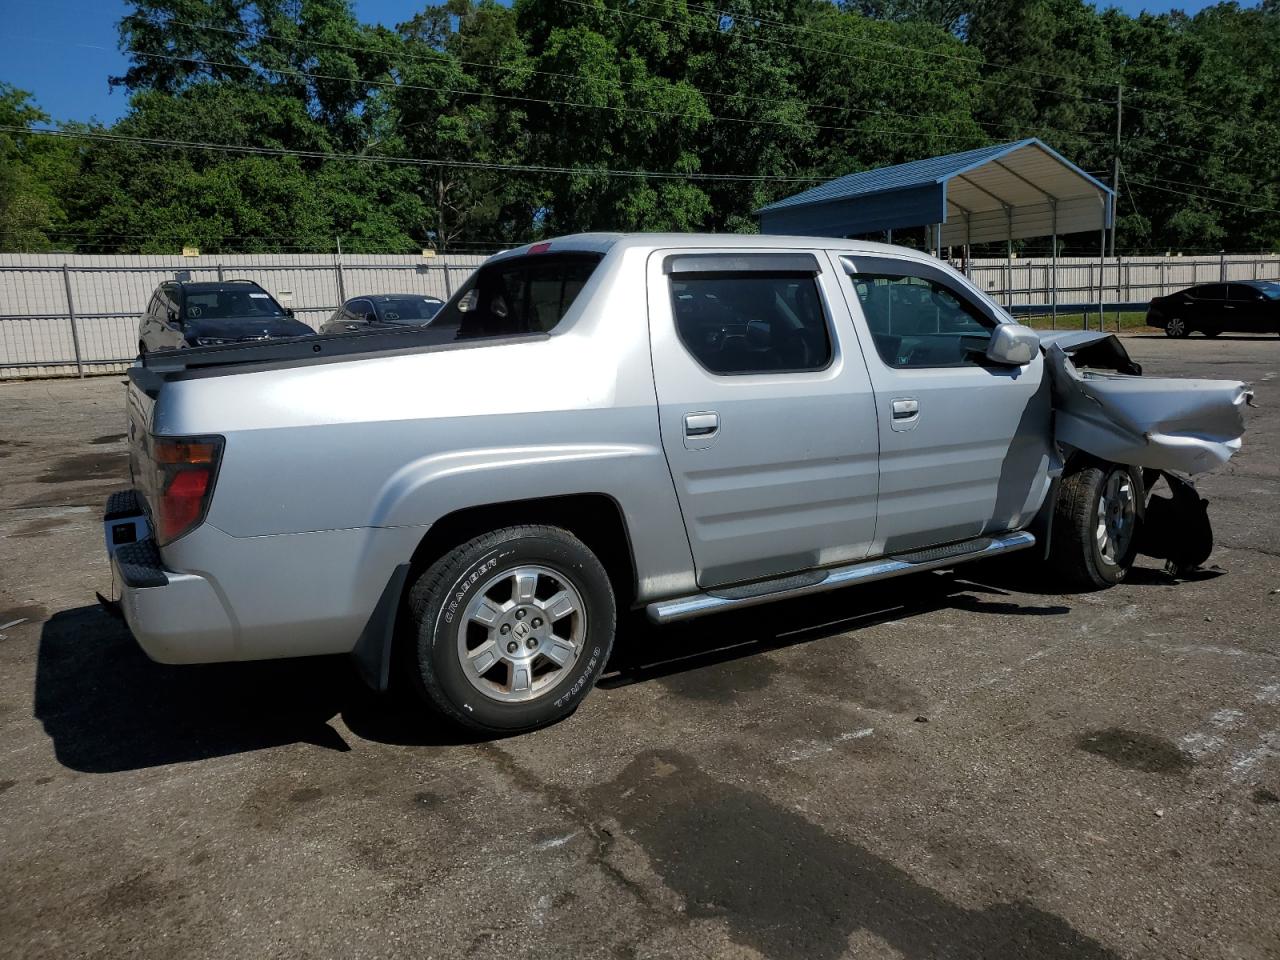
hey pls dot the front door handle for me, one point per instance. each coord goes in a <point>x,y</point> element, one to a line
<point>701,424</point>
<point>905,409</point>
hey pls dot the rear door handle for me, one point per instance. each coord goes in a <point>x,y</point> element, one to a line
<point>701,424</point>
<point>905,409</point>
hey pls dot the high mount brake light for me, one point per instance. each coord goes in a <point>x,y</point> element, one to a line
<point>185,470</point>
<point>540,247</point>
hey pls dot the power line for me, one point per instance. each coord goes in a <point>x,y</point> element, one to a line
<point>975,61</point>
<point>400,85</point>
<point>444,59</point>
<point>410,161</point>
<point>840,54</point>
<point>1253,208</point>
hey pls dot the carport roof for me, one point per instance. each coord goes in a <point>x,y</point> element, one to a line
<point>1006,191</point>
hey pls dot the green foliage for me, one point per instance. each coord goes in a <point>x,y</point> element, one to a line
<point>736,101</point>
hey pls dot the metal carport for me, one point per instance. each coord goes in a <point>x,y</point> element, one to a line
<point>1010,191</point>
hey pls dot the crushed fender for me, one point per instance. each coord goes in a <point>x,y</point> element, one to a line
<point>1104,407</point>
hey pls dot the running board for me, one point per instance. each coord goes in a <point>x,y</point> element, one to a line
<point>818,581</point>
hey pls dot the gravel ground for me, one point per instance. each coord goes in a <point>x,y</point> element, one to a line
<point>944,766</point>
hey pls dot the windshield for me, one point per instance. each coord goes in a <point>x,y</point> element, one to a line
<point>406,309</point>
<point>247,304</point>
<point>1269,288</point>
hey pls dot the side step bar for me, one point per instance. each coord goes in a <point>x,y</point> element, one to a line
<point>866,571</point>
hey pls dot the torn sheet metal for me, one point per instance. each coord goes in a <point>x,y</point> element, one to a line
<point>1176,528</point>
<point>1162,423</point>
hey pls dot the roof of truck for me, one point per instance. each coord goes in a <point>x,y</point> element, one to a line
<point>604,242</point>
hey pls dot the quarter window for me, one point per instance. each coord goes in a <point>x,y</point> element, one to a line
<point>918,322</point>
<point>737,322</point>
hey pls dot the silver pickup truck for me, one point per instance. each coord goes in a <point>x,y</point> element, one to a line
<point>679,424</point>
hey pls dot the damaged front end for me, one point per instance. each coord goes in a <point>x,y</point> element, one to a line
<point>1171,428</point>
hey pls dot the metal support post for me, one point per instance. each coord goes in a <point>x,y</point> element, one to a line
<point>71,313</point>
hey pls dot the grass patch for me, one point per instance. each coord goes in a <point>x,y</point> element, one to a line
<point>1133,321</point>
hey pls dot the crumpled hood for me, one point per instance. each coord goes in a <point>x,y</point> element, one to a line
<point>245,329</point>
<point>1163,423</point>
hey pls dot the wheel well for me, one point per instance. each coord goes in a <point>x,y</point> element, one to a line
<point>594,518</point>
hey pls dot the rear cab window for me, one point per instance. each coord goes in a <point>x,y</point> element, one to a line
<point>522,295</point>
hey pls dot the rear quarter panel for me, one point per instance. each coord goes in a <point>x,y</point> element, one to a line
<point>394,442</point>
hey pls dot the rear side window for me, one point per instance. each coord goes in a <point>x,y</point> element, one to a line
<point>1212,291</point>
<point>528,294</point>
<point>752,322</point>
<point>919,322</point>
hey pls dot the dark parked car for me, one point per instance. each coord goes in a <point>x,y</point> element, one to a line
<point>187,314</point>
<point>1246,306</point>
<point>382,311</point>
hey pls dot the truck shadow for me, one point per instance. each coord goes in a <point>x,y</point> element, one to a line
<point>644,652</point>
<point>107,707</point>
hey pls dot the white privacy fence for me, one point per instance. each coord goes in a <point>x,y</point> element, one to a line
<point>63,315</point>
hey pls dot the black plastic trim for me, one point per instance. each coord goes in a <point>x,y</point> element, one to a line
<point>372,652</point>
<point>139,564</point>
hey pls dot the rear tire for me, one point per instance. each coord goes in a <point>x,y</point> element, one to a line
<point>512,629</point>
<point>1095,525</point>
<point>1177,328</point>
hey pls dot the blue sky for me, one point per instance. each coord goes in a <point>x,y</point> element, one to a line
<point>63,51</point>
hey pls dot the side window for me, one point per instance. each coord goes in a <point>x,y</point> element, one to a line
<point>919,322</point>
<point>752,322</point>
<point>1212,291</point>
<point>1240,293</point>
<point>360,310</point>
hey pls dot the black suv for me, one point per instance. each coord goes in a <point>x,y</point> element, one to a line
<point>188,314</point>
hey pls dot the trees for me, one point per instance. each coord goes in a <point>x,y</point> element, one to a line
<point>637,115</point>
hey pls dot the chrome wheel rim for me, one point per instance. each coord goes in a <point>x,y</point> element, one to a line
<point>1117,515</point>
<point>1175,327</point>
<point>521,633</point>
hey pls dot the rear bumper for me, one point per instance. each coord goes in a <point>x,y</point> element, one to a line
<point>175,617</point>
<point>209,596</point>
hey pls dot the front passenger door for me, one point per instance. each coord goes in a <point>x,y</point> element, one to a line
<point>965,445</point>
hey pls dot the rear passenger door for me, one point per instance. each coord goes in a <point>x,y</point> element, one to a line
<point>1246,309</point>
<point>965,446</point>
<point>765,408</point>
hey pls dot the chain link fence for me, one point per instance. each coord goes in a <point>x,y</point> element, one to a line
<point>66,315</point>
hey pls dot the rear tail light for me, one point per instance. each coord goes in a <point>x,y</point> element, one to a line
<point>185,469</point>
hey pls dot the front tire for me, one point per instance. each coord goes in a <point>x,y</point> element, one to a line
<point>512,629</point>
<point>1177,328</point>
<point>1095,525</point>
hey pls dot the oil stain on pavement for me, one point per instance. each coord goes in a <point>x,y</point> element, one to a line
<point>787,888</point>
<point>1137,751</point>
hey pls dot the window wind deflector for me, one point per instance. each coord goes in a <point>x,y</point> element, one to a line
<point>678,264</point>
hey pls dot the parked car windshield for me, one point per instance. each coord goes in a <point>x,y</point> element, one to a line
<point>406,309</point>
<point>1269,289</point>
<point>230,304</point>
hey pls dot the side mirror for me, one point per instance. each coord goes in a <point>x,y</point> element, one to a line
<point>288,311</point>
<point>370,318</point>
<point>173,318</point>
<point>1012,345</point>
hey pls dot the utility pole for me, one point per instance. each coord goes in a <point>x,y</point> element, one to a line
<point>1115,169</point>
